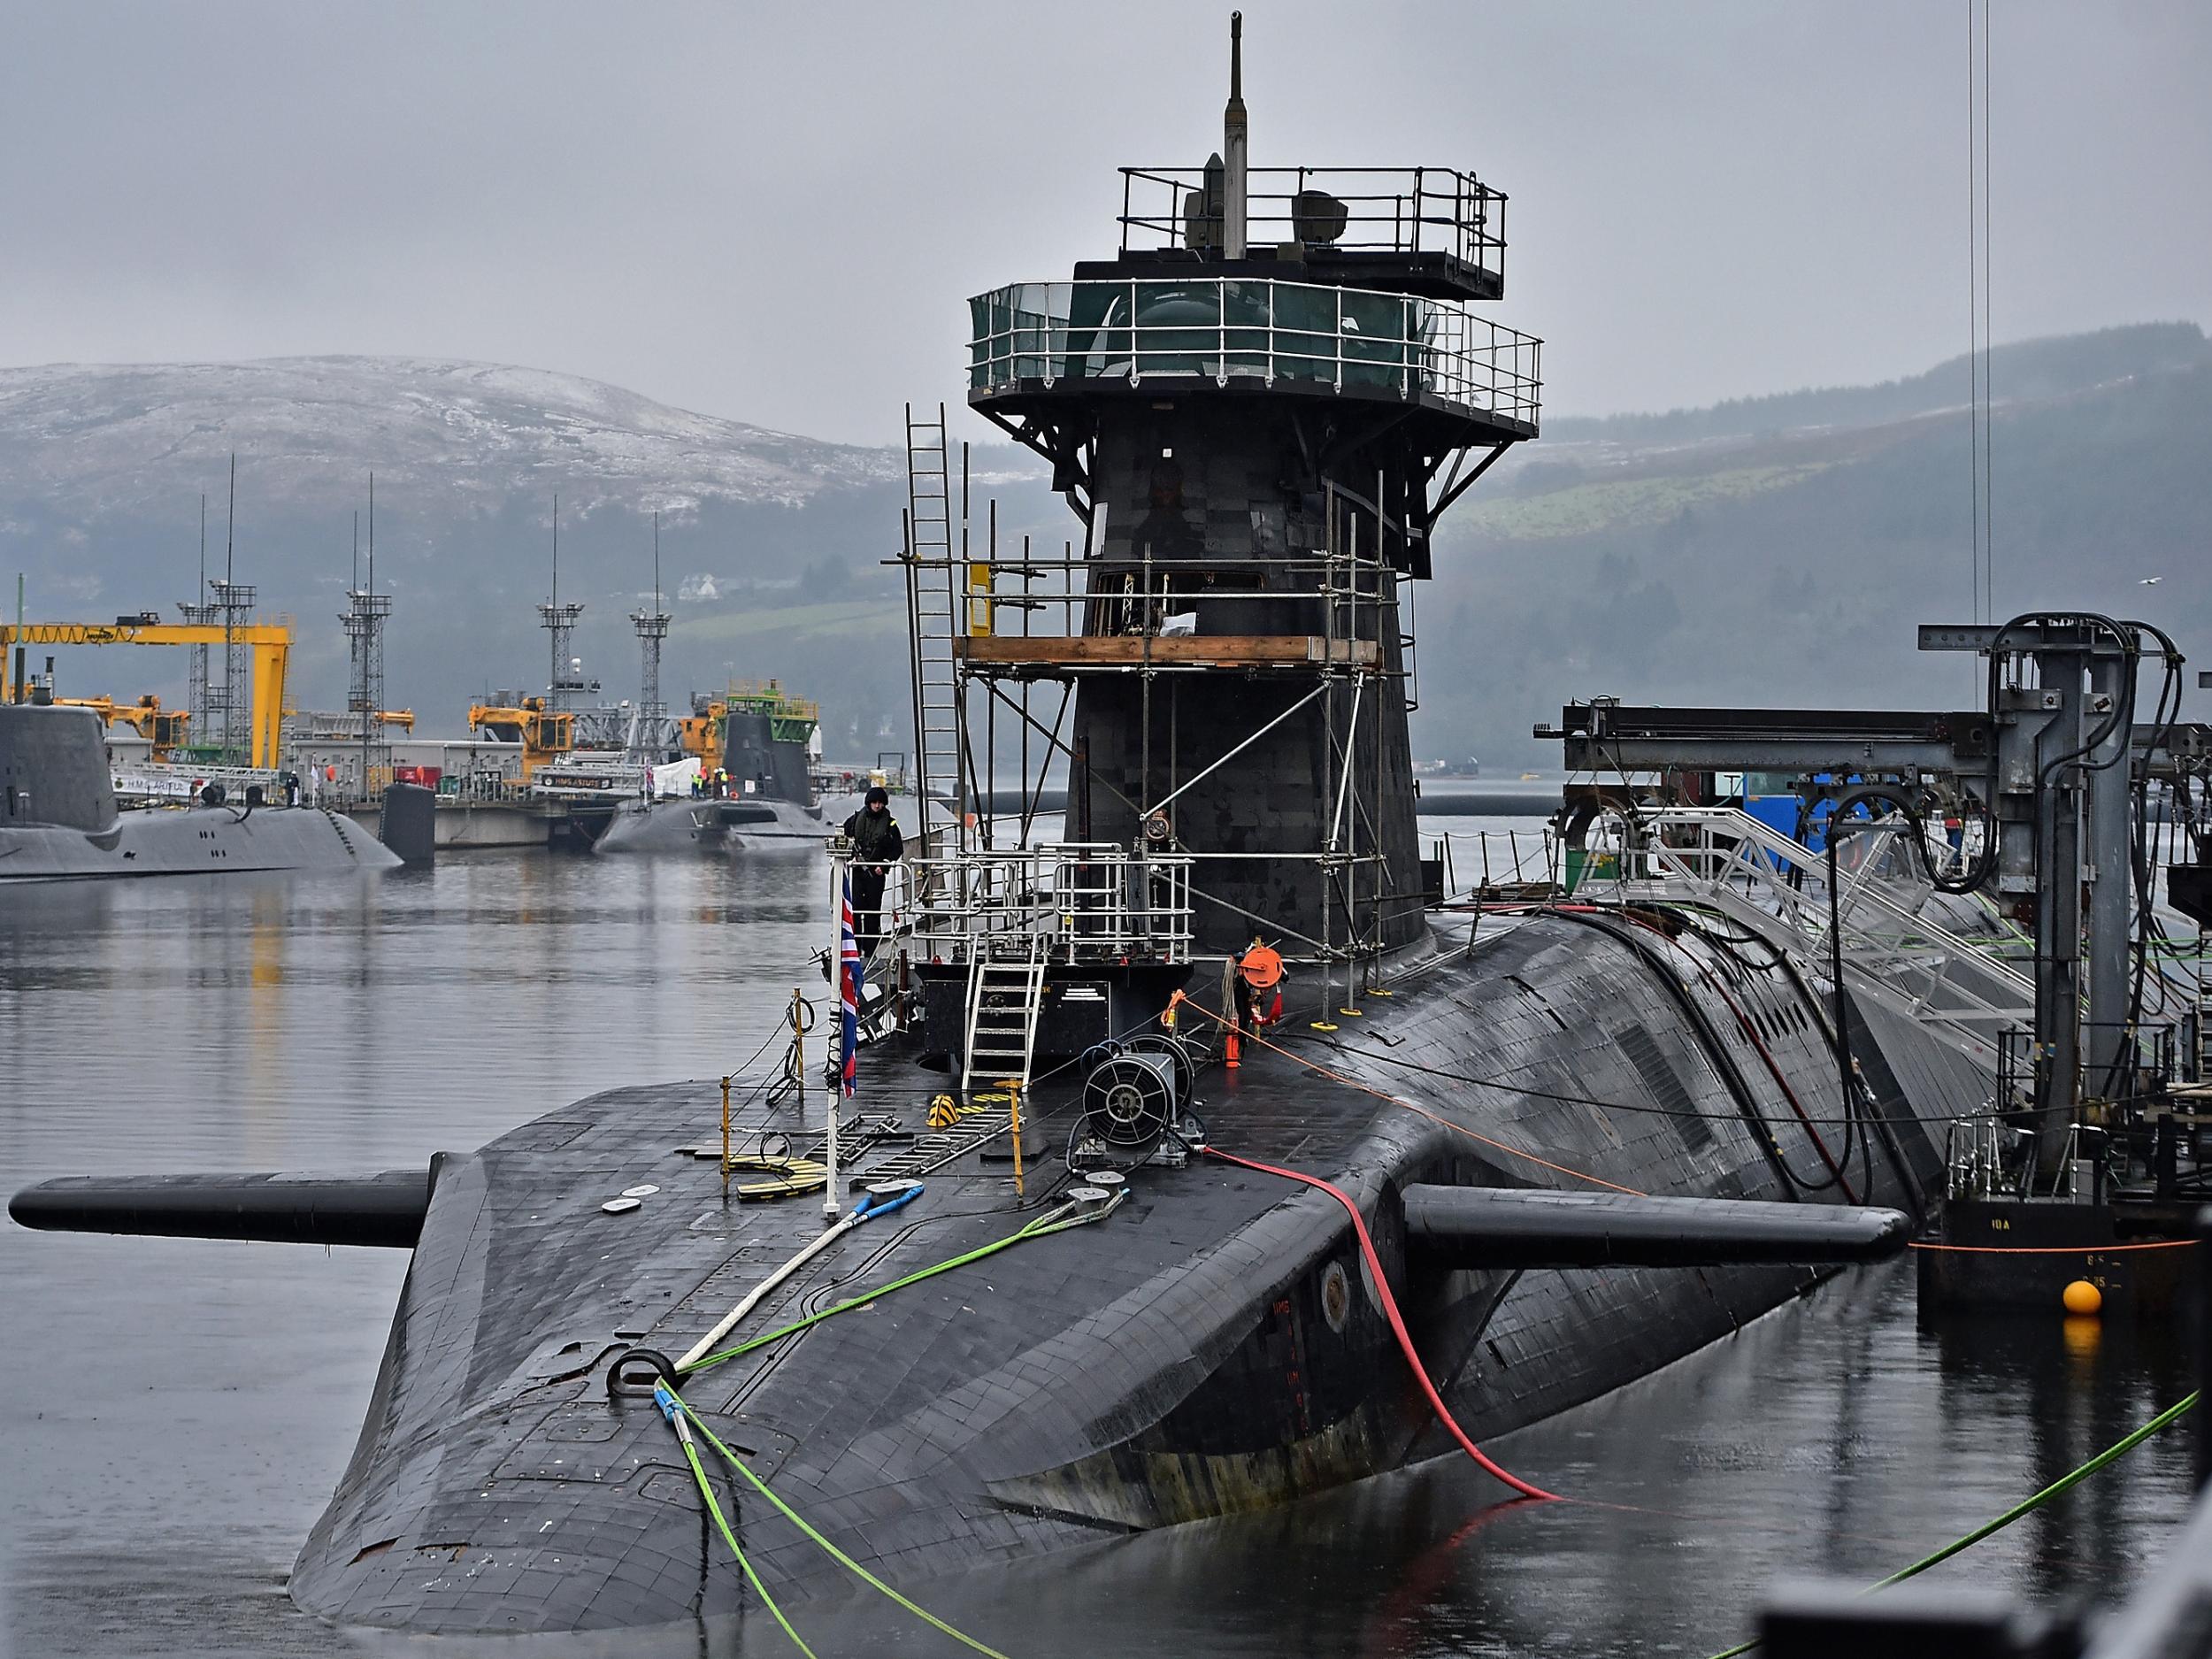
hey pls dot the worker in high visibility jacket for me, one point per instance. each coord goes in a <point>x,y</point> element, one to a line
<point>1259,987</point>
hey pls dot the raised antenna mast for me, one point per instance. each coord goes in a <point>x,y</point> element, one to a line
<point>1233,147</point>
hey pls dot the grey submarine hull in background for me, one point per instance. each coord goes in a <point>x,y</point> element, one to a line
<point>710,825</point>
<point>59,820</point>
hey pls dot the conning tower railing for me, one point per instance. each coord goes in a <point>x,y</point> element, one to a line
<point>1085,902</point>
<point>1255,332</point>
<point>1398,210</point>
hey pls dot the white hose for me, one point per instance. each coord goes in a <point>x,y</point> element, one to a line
<point>705,1345</point>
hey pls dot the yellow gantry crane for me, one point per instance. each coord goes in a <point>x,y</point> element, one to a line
<point>270,641</point>
<point>164,728</point>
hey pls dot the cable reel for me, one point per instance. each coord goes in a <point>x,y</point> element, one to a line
<point>1129,1101</point>
<point>1177,1050</point>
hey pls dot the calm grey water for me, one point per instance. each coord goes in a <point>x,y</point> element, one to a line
<point>174,1414</point>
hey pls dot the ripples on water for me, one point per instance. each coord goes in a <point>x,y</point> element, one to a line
<point>174,1414</point>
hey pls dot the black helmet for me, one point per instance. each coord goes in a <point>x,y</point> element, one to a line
<point>877,795</point>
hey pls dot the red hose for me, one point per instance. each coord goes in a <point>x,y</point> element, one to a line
<point>1397,1323</point>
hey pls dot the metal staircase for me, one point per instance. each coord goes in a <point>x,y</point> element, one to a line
<point>933,616</point>
<point>1003,999</point>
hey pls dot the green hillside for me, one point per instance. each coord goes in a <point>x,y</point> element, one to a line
<point>1792,567</point>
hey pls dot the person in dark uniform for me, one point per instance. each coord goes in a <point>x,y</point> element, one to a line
<point>877,846</point>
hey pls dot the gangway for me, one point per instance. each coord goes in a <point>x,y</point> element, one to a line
<point>1893,949</point>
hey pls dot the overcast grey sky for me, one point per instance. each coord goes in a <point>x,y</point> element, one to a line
<point>775,212</point>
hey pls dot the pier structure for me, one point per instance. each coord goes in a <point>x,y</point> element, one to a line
<point>1258,407</point>
<point>1990,875</point>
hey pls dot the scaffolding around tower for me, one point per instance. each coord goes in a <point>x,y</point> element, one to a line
<point>1004,639</point>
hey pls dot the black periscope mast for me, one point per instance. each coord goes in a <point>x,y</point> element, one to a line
<point>1259,408</point>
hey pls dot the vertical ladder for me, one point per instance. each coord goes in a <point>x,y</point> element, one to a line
<point>934,617</point>
<point>1003,998</point>
<point>2203,1033</point>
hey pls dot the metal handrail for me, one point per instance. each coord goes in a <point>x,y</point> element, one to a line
<point>1386,210</point>
<point>1254,330</point>
<point>1077,901</point>
<point>1765,879</point>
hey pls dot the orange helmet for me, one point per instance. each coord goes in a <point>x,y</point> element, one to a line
<point>1261,966</point>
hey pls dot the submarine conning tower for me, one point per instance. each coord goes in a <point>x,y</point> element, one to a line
<point>1258,408</point>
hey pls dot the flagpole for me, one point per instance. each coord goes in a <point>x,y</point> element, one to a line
<point>830,1206</point>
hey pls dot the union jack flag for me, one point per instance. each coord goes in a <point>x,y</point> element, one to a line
<point>851,972</point>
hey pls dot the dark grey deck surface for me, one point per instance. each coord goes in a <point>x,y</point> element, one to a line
<point>1194,1354</point>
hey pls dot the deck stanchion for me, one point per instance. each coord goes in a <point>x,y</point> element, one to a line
<point>839,863</point>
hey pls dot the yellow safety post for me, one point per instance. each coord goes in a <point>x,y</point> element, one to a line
<point>980,619</point>
<point>1014,1095</point>
<point>726,1133</point>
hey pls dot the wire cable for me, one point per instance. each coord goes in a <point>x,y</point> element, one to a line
<point>2027,1506</point>
<point>807,1531</point>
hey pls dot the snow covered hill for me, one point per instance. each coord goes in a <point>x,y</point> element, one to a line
<point>94,439</point>
<point>103,467</point>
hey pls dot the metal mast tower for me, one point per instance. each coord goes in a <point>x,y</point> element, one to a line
<point>234,603</point>
<point>560,622</point>
<point>198,695</point>
<point>652,630</point>
<point>365,612</point>
<point>1259,408</point>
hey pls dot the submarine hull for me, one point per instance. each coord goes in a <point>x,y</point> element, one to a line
<point>59,820</point>
<point>1214,1345</point>
<point>711,826</point>
<point>193,842</point>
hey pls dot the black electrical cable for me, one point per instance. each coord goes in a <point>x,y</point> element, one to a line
<point>1506,1085</point>
<point>2144,863</point>
<point>1724,1062</point>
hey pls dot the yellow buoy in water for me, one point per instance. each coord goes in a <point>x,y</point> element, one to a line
<point>2082,1297</point>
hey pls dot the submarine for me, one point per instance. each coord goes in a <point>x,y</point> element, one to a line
<point>1193,1161</point>
<point>764,746</point>
<point>59,819</point>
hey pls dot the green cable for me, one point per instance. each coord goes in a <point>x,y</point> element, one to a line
<point>691,1455</point>
<point>835,1554</point>
<point>2109,1455</point>
<point>1037,1229</point>
<point>1055,1220</point>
